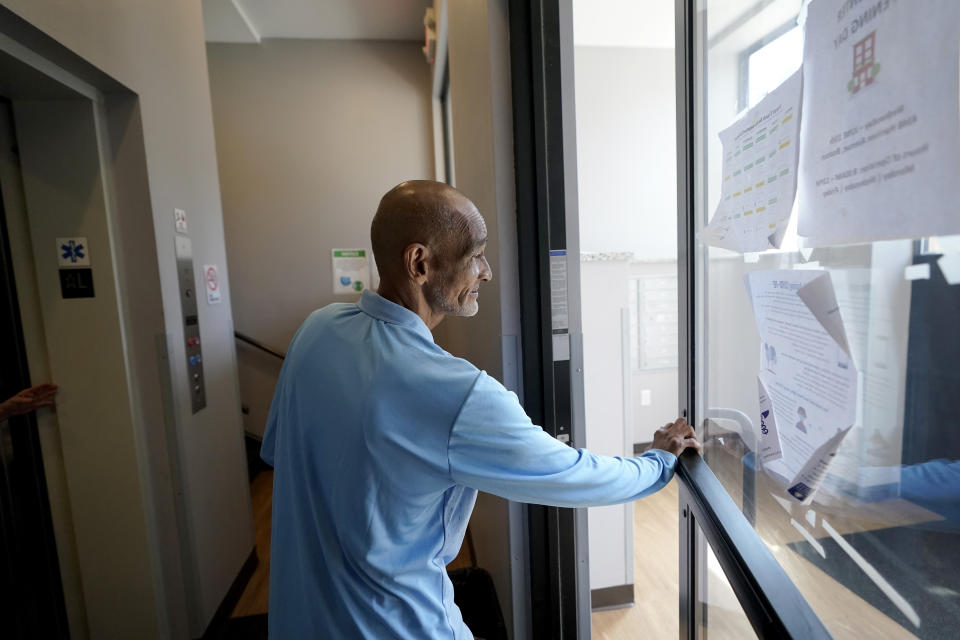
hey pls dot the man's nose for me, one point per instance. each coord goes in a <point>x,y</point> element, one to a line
<point>486,274</point>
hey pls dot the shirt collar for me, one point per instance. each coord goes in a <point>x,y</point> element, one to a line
<point>392,313</point>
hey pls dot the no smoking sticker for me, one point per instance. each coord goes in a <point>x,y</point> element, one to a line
<point>212,280</point>
<point>180,220</point>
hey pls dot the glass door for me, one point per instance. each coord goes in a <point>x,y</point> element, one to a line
<point>820,369</point>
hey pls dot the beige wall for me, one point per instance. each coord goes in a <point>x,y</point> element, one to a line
<point>310,135</point>
<point>162,149</point>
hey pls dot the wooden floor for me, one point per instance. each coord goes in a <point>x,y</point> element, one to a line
<point>256,596</point>
<point>656,559</point>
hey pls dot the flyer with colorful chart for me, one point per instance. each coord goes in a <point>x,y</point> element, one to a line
<point>760,155</point>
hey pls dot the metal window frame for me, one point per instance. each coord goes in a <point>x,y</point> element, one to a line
<point>770,599</point>
<point>557,557</point>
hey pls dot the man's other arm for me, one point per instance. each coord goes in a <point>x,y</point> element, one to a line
<point>494,447</point>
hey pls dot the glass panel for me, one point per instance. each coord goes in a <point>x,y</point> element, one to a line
<point>719,615</point>
<point>624,70</point>
<point>876,551</point>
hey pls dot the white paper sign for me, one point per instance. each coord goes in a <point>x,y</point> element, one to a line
<point>769,441</point>
<point>875,304</point>
<point>559,312</point>
<point>760,153</point>
<point>73,252</point>
<point>880,148</point>
<point>807,379</point>
<point>351,270</point>
<point>180,220</point>
<point>211,278</point>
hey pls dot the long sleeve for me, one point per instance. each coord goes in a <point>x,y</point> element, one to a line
<point>494,447</point>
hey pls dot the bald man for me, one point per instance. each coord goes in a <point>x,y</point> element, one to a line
<point>380,440</point>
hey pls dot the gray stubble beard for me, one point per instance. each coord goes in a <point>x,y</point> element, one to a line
<point>437,300</point>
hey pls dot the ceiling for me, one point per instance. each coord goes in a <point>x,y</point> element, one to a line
<point>252,20</point>
<point>596,23</point>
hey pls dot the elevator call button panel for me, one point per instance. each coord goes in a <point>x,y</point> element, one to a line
<point>191,325</point>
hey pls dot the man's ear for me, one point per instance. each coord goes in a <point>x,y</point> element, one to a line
<point>415,262</point>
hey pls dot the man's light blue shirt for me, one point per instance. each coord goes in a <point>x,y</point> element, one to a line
<point>380,441</point>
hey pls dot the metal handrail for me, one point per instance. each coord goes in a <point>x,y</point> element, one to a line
<point>259,345</point>
<point>770,599</point>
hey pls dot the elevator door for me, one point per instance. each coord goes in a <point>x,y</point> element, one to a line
<point>31,599</point>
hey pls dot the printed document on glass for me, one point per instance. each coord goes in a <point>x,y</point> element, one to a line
<point>880,147</point>
<point>875,305</point>
<point>760,156</point>
<point>807,381</point>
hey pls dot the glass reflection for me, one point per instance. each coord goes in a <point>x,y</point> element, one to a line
<point>876,553</point>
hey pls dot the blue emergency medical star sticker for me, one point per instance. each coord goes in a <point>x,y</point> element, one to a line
<point>72,251</point>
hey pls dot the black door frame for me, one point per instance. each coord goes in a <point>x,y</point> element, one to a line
<point>31,600</point>
<point>535,60</point>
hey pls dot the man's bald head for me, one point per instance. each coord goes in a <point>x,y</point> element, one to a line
<point>430,213</point>
<point>429,242</point>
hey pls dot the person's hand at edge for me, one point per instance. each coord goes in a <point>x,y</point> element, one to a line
<point>676,437</point>
<point>37,396</point>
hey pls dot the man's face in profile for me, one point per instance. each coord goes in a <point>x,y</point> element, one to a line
<point>459,269</point>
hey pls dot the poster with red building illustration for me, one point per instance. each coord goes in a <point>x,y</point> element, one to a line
<point>880,143</point>
<point>865,67</point>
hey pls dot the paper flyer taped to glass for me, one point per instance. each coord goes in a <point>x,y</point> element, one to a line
<point>807,382</point>
<point>880,146</point>
<point>760,158</point>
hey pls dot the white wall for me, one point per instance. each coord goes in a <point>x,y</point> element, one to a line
<point>627,150</point>
<point>612,425</point>
<point>156,49</point>
<point>604,292</point>
<point>606,289</point>
<point>310,135</point>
